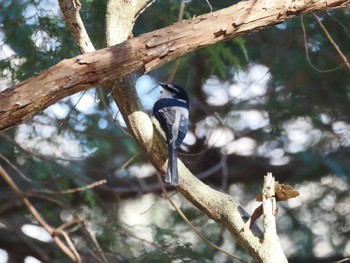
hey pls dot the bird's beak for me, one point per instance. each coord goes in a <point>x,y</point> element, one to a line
<point>162,84</point>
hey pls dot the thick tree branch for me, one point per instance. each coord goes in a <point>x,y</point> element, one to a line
<point>271,247</point>
<point>146,52</point>
<point>120,19</point>
<point>70,10</point>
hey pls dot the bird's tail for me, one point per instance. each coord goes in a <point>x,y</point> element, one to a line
<point>172,174</point>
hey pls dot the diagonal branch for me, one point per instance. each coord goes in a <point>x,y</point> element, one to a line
<point>146,52</point>
<point>271,246</point>
<point>120,19</point>
<point>189,224</point>
<point>324,29</point>
<point>70,10</point>
<point>70,250</point>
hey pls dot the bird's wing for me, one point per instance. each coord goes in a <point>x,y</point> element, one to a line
<point>183,128</point>
<point>166,118</point>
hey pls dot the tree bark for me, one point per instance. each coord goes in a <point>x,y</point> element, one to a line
<point>146,52</point>
<point>271,249</point>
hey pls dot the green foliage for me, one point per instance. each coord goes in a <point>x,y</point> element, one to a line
<point>241,44</point>
<point>38,41</point>
<point>171,247</point>
<point>221,57</point>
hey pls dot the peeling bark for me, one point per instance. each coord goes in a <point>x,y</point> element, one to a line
<point>70,10</point>
<point>271,250</point>
<point>146,52</point>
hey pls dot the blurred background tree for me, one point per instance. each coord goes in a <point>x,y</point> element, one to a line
<point>274,100</point>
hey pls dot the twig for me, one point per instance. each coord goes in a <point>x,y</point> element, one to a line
<point>70,244</point>
<point>73,190</point>
<point>211,8</point>
<point>307,52</point>
<point>104,103</point>
<point>131,159</point>
<point>72,254</point>
<point>181,11</point>
<point>143,9</point>
<point>70,10</point>
<point>95,242</point>
<point>128,233</point>
<point>177,62</point>
<point>346,31</point>
<point>15,168</point>
<point>71,110</point>
<point>183,216</point>
<point>342,260</point>
<point>67,224</point>
<point>324,29</point>
<point>173,71</point>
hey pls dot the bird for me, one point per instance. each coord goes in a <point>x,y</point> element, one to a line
<point>171,111</point>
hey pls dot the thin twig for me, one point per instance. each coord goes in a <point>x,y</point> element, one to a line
<point>183,216</point>
<point>67,224</point>
<point>307,52</point>
<point>71,110</point>
<point>324,29</point>
<point>211,8</point>
<point>144,9</point>
<point>14,167</point>
<point>181,11</point>
<point>95,242</point>
<point>128,233</point>
<point>131,159</point>
<point>73,255</point>
<point>104,103</point>
<point>342,260</point>
<point>177,62</point>
<point>70,244</point>
<point>173,71</point>
<point>73,190</point>
<point>346,31</point>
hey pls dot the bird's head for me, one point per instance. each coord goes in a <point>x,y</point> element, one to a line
<point>174,91</point>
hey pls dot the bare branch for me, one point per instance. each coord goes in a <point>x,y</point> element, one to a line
<point>70,10</point>
<point>198,233</point>
<point>307,52</point>
<point>120,19</point>
<point>147,52</point>
<point>177,62</point>
<point>73,190</point>
<point>269,206</point>
<point>94,240</point>
<point>324,29</point>
<point>72,254</point>
<point>271,245</point>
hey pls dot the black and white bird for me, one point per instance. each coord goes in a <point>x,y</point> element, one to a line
<point>171,111</point>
